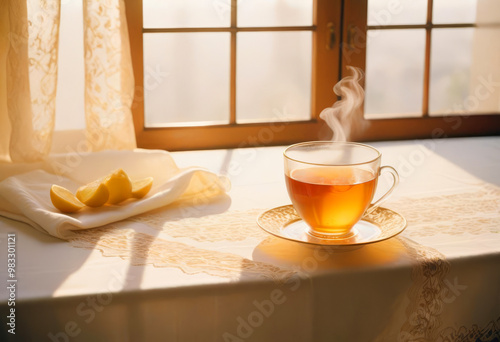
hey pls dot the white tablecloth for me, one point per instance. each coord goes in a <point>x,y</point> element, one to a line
<point>208,273</point>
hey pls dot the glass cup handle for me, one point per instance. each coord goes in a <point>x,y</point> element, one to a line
<point>395,177</point>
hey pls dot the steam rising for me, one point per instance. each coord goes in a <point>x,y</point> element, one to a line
<point>346,115</point>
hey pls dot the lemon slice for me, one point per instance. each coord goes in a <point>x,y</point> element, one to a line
<point>94,194</point>
<point>119,186</point>
<point>141,187</point>
<point>64,200</point>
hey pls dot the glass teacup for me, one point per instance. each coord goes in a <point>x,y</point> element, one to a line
<point>332,184</point>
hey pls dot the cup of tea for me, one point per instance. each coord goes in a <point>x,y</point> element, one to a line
<point>332,184</point>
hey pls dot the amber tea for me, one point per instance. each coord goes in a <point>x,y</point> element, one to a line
<point>331,199</point>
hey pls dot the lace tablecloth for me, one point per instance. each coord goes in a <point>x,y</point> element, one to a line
<point>207,272</point>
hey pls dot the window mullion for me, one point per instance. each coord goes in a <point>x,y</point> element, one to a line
<point>427,65</point>
<point>232,95</point>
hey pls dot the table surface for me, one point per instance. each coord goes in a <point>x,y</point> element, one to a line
<point>367,294</point>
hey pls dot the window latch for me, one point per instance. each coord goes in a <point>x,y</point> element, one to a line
<point>351,36</point>
<point>330,36</point>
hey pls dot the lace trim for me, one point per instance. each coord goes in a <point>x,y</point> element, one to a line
<point>232,226</point>
<point>426,294</point>
<point>489,333</point>
<point>472,213</point>
<point>143,249</point>
<point>466,213</point>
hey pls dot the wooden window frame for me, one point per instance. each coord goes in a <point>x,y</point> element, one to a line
<point>424,127</point>
<point>348,20</point>
<point>324,76</point>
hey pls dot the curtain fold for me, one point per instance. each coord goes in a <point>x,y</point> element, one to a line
<point>4,114</point>
<point>109,79</point>
<point>31,77</point>
<point>29,39</point>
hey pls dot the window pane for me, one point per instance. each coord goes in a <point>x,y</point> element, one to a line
<point>186,13</point>
<point>390,12</point>
<point>395,72</point>
<point>186,77</point>
<point>451,57</point>
<point>70,99</point>
<point>273,76</point>
<point>464,70</point>
<point>453,11</point>
<point>275,13</point>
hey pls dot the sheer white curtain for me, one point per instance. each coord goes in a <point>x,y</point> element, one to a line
<point>29,31</point>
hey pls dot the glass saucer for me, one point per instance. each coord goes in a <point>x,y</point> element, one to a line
<point>284,222</point>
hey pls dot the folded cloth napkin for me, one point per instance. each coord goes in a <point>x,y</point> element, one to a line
<point>26,196</point>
